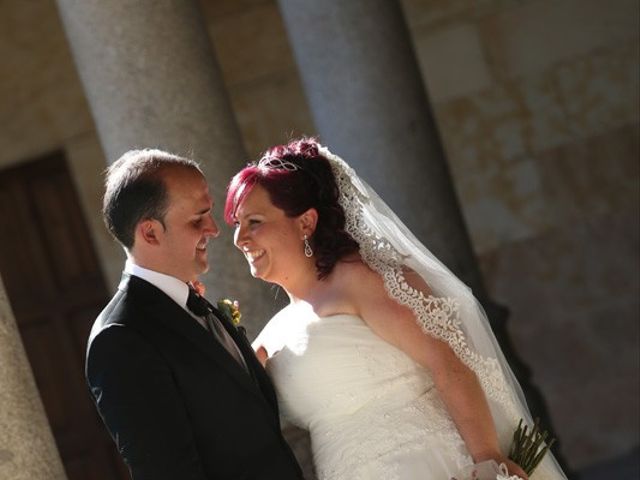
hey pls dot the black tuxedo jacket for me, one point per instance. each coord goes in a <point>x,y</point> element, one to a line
<point>178,406</point>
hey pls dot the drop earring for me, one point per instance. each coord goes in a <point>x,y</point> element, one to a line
<point>308,252</point>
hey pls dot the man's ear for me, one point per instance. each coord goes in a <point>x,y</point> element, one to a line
<point>147,231</point>
<point>308,221</point>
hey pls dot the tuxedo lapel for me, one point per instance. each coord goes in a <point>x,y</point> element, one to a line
<point>160,306</point>
<point>250,358</point>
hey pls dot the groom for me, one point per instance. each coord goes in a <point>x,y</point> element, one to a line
<point>178,387</point>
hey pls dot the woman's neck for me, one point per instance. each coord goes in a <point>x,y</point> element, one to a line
<point>308,288</point>
<point>305,289</point>
<point>319,295</point>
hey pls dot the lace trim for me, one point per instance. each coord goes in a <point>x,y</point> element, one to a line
<point>438,317</point>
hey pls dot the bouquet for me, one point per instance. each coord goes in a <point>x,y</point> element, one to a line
<point>527,450</point>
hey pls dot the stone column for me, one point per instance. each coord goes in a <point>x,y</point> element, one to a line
<point>369,104</point>
<point>152,80</point>
<point>368,100</point>
<point>27,448</point>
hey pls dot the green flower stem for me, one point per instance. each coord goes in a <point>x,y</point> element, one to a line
<point>529,448</point>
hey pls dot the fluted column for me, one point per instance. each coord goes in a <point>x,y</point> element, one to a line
<point>152,80</point>
<point>369,103</point>
<point>27,448</point>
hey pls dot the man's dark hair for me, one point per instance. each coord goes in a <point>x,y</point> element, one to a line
<point>135,190</point>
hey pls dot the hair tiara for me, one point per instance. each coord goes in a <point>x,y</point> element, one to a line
<point>276,163</point>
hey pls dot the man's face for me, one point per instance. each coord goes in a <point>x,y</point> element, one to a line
<point>188,225</point>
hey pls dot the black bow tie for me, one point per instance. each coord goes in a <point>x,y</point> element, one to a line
<point>197,304</point>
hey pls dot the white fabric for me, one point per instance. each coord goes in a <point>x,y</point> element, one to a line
<point>487,470</point>
<point>371,411</point>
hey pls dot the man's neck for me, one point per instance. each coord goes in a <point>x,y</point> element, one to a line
<point>173,287</point>
<point>153,266</point>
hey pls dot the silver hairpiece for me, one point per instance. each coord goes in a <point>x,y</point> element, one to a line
<point>277,164</point>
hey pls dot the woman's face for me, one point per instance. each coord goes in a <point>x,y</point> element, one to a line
<point>271,242</point>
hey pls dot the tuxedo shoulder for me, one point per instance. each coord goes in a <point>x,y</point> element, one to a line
<point>120,311</point>
<point>117,348</point>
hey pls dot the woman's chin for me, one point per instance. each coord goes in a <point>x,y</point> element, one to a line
<point>255,273</point>
<point>260,276</point>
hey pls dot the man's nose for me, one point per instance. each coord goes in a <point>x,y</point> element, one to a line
<point>212,228</point>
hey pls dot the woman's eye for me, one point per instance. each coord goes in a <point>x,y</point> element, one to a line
<point>251,222</point>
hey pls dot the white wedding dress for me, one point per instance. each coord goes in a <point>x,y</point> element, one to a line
<point>372,412</point>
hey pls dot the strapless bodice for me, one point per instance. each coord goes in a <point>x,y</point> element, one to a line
<point>370,409</point>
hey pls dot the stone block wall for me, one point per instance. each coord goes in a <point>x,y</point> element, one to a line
<point>538,106</point>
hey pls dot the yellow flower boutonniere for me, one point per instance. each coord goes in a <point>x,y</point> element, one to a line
<point>230,310</point>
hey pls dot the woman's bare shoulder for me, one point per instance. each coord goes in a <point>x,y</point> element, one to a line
<point>353,268</point>
<point>357,281</point>
<point>270,333</point>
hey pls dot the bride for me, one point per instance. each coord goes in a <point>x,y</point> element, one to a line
<point>382,354</point>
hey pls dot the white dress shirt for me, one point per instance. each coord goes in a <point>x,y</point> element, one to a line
<point>175,289</point>
<point>178,291</point>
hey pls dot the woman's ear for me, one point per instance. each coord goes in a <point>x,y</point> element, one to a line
<point>308,221</point>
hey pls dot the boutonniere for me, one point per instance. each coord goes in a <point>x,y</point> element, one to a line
<point>230,310</point>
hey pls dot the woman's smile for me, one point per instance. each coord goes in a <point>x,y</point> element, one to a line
<point>254,255</point>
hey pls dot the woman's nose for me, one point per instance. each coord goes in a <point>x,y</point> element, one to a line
<point>239,237</point>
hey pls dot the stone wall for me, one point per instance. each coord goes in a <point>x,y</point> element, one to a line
<point>537,104</point>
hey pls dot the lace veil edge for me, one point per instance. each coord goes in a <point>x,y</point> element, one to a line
<point>450,312</point>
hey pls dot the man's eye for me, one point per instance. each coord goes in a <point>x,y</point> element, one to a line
<point>197,221</point>
<point>253,221</point>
